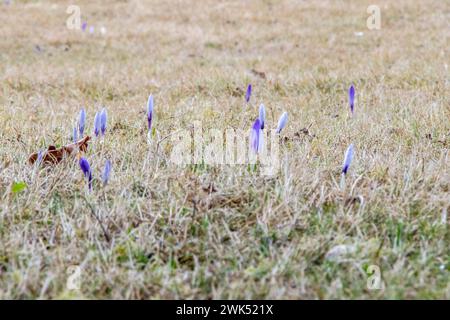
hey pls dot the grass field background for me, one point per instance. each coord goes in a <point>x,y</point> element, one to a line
<point>168,231</point>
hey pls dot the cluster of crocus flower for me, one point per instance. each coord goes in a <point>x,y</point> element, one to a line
<point>256,135</point>
<point>84,27</point>
<point>257,139</point>
<point>86,168</point>
<point>100,122</point>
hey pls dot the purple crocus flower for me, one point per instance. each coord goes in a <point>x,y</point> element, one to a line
<point>103,119</point>
<point>248,93</point>
<point>40,156</point>
<point>282,122</point>
<point>84,26</point>
<point>106,172</point>
<point>351,97</point>
<point>82,122</point>
<point>347,159</point>
<point>97,124</point>
<point>75,135</point>
<point>256,137</point>
<point>262,115</point>
<point>86,168</point>
<point>150,111</point>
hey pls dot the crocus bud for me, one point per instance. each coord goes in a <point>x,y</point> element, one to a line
<point>262,115</point>
<point>75,135</point>
<point>82,122</point>
<point>347,159</point>
<point>97,124</point>
<point>150,111</point>
<point>103,119</point>
<point>106,172</point>
<point>282,122</point>
<point>40,157</point>
<point>256,137</point>
<point>248,94</point>
<point>351,97</point>
<point>86,168</point>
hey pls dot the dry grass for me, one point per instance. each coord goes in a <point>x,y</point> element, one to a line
<point>169,234</point>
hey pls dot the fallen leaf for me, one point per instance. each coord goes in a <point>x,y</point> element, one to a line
<point>55,155</point>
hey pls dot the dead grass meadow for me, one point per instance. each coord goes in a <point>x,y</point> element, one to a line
<point>163,231</point>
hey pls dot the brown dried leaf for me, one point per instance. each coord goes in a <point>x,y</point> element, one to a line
<point>55,155</point>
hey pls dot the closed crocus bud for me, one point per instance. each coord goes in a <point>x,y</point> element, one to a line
<point>256,137</point>
<point>282,122</point>
<point>75,135</point>
<point>40,157</point>
<point>347,159</point>
<point>97,124</point>
<point>262,115</point>
<point>106,172</point>
<point>103,120</point>
<point>82,122</point>
<point>150,111</point>
<point>351,97</point>
<point>86,168</point>
<point>248,94</point>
